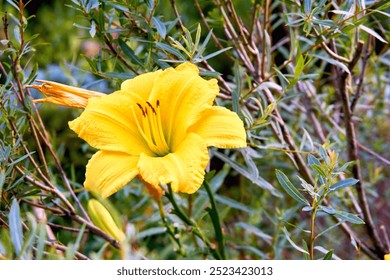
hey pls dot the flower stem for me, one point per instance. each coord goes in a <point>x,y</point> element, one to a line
<point>213,212</point>
<point>169,229</point>
<point>194,227</point>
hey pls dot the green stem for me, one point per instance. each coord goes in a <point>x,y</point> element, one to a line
<point>194,227</point>
<point>312,233</point>
<point>169,229</point>
<point>315,205</point>
<point>213,212</point>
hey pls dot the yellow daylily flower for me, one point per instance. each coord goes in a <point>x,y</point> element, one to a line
<point>157,127</point>
<point>64,95</point>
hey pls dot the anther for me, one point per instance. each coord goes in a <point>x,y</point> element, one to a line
<point>151,107</point>
<point>142,109</point>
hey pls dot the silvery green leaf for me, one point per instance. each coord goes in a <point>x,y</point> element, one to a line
<point>290,188</point>
<point>15,227</point>
<point>343,183</point>
<point>348,217</point>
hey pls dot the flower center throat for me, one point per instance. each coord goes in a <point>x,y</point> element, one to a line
<point>151,128</point>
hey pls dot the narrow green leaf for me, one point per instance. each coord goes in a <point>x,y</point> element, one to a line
<point>237,90</point>
<point>197,37</point>
<point>118,7</point>
<point>319,169</point>
<point>41,241</point>
<point>306,248</point>
<point>307,6</point>
<point>17,34</point>
<point>188,39</point>
<point>269,109</point>
<point>213,212</point>
<point>32,75</point>
<point>300,64</point>
<point>170,50</point>
<point>150,4</point>
<point>348,217</point>
<point>216,181</point>
<point>325,22</point>
<point>256,231</point>
<point>15,227</point>
<point>345,166</point>
<point>209,74</point>
<point>328,229</point>
<point>72,248</point>
<point>308,187</point>
<point>312,160</point>
<point>6,248</point>
<point>232,203</point>
<point>161,29</point>
<point>343,183</point>
<point>282,78</point>
<point>214,54</point>
<point>300,249</point>
<point>203,46</point>
<point>81,26</point>
<point>290,188</point>
<point>253,250</point>
<point>150,232</point>
<point>324,154</point>
<point>333,62</point>
<point>2,180</point>
<point>386,4</point>
<point>20,159</point>
<point>91,4</point>
<point>269,85</point>
<point>92,29</point>
<point>121,76</point>
<point>307,208</point>
<point>129,52</point>
<point>373,33</point>
<point>13,4</point>
<point>327,210</point>
<point>341,12</point>
<point>29,238</point>
<point>328,255</point>
<point>251,174</point>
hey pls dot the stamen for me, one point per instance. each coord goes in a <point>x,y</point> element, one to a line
<point>151,107</point>
<point>151,129</point>
<point>142,109</point>
<point>140,128</point>
<point>159,124</point>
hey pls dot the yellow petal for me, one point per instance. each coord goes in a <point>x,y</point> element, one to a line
<point>182,95</point>
<point>108,123</point>
<point>220,128</point>
<point>141,85</point>
<point>183,169</point>
<point>107,172</point>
